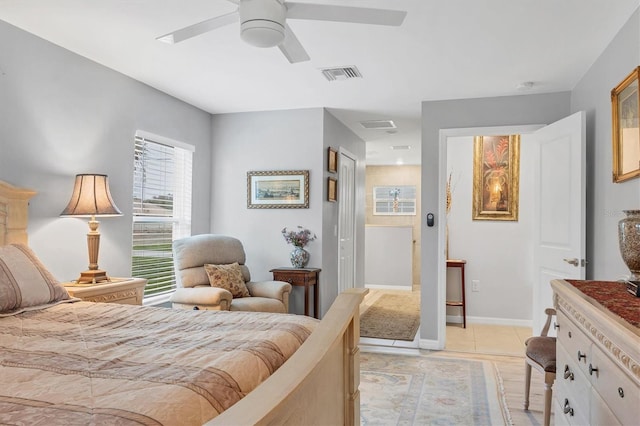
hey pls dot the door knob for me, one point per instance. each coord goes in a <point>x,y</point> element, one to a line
<point>574,261</point>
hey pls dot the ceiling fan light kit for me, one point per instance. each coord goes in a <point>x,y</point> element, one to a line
<point>263,23</point>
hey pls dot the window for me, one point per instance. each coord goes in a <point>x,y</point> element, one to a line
<point>161,207</point>
<point>394,200</point>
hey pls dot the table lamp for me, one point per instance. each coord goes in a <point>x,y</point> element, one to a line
<point>91,198</point>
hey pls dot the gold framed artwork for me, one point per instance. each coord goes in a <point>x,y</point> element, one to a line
<point>332,189</point>
<point>332,160</point>
<point>280,189</point>
<point>496,177</point>
<point>625,98</point>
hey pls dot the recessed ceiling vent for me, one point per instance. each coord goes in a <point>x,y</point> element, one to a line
<point>400,147</point>
<point>378,124</point>
<point>341,73</point>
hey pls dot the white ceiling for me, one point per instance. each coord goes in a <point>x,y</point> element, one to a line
<point>445,49</point>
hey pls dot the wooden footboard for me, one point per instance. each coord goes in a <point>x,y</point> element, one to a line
<point>318,385</point>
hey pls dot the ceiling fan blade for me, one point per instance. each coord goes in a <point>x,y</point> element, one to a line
<point>199,28</point>
<point>291,47</point>
<point>359,15</point>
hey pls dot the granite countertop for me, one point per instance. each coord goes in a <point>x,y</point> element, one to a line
<point>613,296</point>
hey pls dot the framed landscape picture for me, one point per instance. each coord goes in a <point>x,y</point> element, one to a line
<point>496,177</point>
<point>288,189</point>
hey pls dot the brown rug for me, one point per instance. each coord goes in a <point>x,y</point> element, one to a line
<point>393,317</point>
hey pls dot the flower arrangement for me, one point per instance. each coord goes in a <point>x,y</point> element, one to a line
<point>299,238</point>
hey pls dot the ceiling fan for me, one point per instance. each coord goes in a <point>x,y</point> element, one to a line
<point>263,23</point>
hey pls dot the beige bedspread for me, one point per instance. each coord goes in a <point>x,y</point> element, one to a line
<point>92,363</point>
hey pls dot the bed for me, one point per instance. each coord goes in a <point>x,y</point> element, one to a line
<point>75,362</point>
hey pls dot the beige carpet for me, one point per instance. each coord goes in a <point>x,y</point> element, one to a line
<point>392,316</point>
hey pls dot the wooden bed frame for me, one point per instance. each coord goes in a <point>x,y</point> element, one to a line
<point>318,385</point>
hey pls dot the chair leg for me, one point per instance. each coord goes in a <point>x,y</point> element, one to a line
<point>549,378</point>
<point>527,385</point>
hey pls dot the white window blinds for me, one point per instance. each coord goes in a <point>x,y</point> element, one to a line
<point>161,207</point>
<point>394,200</point>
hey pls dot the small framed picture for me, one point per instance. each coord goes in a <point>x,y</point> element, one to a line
<point>278,189</point>
<point>332,161</point>
<point>332,189</point>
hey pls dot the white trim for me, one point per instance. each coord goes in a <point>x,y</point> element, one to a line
<point>393,350</point>
<point>164,140</point>
<point>431,344</point>
<point>388,287</point>
<point>452,319</point>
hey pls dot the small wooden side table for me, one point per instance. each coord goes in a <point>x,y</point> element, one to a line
<point>127,291</point>
<point>301,277</point>
<point>458,263</point>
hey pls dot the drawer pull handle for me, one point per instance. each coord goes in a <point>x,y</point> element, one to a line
<point>567,373</point>
<point>581,355</point>
<point>567,409</point>
<point>592,369</point>
<point>556,326</point>
<point>621,392</point>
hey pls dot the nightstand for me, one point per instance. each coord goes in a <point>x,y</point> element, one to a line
<point>127,291</point>
<point>301,277</point>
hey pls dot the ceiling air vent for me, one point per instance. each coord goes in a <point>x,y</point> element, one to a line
<point>378,124</point>
<point>341,73</point>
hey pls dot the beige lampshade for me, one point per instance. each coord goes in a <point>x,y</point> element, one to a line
<point>91,197</point>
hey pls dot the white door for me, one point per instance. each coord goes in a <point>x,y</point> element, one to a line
<point>346,222</point>
<point>559,203</point>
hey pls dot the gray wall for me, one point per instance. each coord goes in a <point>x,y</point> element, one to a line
<point>605,199</point>
<point>62,114</point>
<point>278,140</point>
<point>484,112</point>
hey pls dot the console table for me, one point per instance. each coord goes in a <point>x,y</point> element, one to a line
<point>458,263</point>
<point>305,277</point>
<point>597,353</point>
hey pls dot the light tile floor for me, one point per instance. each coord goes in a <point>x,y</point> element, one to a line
<point>476,338</point>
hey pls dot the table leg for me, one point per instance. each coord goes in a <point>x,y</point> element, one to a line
<point>316,313</point>
<point>306,299</point>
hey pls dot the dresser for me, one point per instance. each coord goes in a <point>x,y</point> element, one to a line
<point>597,353</point>
<point>126,291</point>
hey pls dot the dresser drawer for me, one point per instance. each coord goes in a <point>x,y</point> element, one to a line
<point>618,391</point>
<point>571,383</point>
<point>601,414</point>
<point>574,341</point>
<point>294,278</point>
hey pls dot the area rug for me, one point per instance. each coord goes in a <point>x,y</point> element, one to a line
<point>392,316</point>
<point>429,390</point>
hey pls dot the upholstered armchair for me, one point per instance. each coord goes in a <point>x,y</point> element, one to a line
<point>191,254</point>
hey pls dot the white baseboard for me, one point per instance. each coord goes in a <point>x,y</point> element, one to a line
<point>490,321</point>
<point>388,287</point>
<point>430,344</point>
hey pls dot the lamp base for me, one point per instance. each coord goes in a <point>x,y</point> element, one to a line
<point>93,277</point>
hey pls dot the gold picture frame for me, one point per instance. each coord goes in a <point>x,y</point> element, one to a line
<point>625,98</point>
<point>278,189</point>
<point>332,160</point>
<point>496,177</point>
<point>332,189</point>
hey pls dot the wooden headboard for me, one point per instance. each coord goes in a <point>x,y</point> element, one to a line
<point>14,213</point>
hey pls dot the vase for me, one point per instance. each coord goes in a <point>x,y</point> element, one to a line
<point>299,257</point>
<point>629,237</point>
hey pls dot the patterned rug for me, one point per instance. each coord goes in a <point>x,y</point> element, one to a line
<point>393,317</point>
<point>429,390</point>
